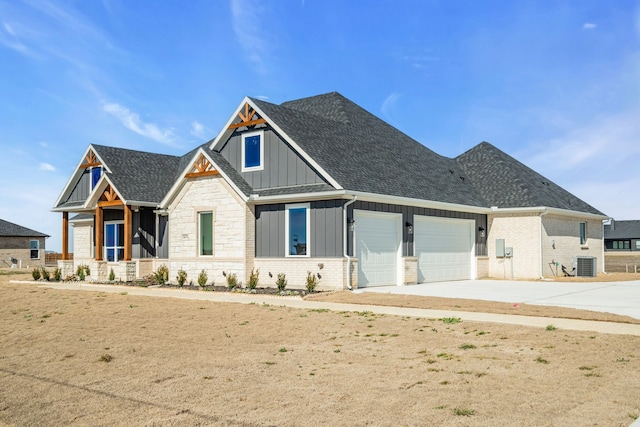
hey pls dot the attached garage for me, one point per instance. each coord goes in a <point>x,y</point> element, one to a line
<point>378,237</point>
<point>444,248</point>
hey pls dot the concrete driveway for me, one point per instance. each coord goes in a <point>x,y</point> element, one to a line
<point>611,297</point>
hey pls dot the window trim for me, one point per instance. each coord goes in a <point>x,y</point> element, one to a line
<point>213,221</point>
<point>287,247</point>
<point>37,249</point>
<point>583,234</point>
<point>246,135</point>
<point>118,245</point>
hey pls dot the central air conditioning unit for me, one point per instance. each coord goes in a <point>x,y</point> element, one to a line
<point>586,266</point>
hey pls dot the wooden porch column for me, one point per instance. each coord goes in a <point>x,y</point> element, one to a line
<point>127,233</point>
<point>65,236</point>
<point>99,233</point>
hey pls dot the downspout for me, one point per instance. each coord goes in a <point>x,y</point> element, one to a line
<point>603,263</point>
<point>345,231</point>
<point>546,211</point>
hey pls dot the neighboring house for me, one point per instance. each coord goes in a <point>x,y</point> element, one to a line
<point>622,236</point>
<point>321,185</point>
<point>21,246</point>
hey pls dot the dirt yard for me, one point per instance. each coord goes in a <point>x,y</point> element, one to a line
<point>90,358</point>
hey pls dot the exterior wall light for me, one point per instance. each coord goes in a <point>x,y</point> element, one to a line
<point>482,231</point>
<point>351,223</point>
<point>409,227</point>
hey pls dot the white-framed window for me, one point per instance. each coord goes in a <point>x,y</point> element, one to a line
<point>114,241</point>
<point>205,233</point>
<point>252,151</point>
<point>34,249</point>
<point>297,229</point>
<point>583,233</point>
<point>96,173</point>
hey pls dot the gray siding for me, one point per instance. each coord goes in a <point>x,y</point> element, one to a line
<point>82,188</point>
<point>163,237</point>
<point>326,229</point>
<point>144,230</point>
<point>408,213</point>
<point>282,166</point>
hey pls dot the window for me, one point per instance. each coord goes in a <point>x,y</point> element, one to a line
<point>114,241</point>
<point>583,233</point>
<point>206,233</point>
<point>34,247</point>
<point>252,151</point>
<point>96,173</point>
<point>622,244</point>
<point>297,230</point>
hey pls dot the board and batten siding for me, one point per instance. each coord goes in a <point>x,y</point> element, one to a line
<point>144,231</point>
<point>283,167</point>
<point>408,213</point>
<point>326,229</point>
<point>82,188</point>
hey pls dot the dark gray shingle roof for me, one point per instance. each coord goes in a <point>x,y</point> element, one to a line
<point>9,229</point>
<point>140,176</point>
<point>622,230</point>
<point>363,153</point>
<point>504,182</point>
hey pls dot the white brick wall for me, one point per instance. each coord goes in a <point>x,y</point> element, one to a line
<point>332,272</point>
<point>229,236</point>
<point>82,236</point>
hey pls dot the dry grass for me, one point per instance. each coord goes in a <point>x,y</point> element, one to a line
<point>180,362</point>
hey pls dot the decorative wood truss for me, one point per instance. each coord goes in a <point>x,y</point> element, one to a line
<point>202,167</point>
<point>247,118</point>
<point>90,160</point>
<point>109,198</point>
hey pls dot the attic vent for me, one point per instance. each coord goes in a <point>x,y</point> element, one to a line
<point>545,183</point>
<point>451,171</point>
<point>461,178</point>
<point>586,266</point>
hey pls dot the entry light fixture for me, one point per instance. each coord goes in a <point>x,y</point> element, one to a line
<point>351,223</point>
<point>482,231</point>
<point>409,227</point>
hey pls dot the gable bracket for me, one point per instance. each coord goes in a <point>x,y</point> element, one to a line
<point>90,160</point>
<point>202,167</point>
<point>247,118</point>
<point>109,198</point>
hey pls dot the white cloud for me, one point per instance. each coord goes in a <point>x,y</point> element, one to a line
<point>246,16</point>
<point>389,103</point>
<point>588,26</point>
<point>198,130</point>
<point>47,167</point>
<point>132,121</point>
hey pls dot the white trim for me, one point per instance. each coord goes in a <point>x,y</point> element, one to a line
<point>243,160</point>
<point>78,172</point>
<point>223,136</point>
<point>92,200</point>
<point>118,246</point>
<point>199,213</point>
<point>397,200</point>
<point>37,249</point>
<point>287,248</point>
<point>541,209</point>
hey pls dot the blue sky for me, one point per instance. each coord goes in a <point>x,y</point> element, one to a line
<point>556,84</point>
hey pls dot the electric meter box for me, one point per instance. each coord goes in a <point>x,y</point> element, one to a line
<point>500,248</point>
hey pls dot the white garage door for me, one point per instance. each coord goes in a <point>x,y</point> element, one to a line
<point>444,248</point>
<point>378,238</point>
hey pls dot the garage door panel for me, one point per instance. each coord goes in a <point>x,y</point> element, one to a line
<point>443,248</point>
<point>377,246</point>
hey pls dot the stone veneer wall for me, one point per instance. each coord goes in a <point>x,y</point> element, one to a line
<point>229,235</point>
<point>20,248</point>
<point>332,272</point>
<point>409,270</point>
<point>482,267</point>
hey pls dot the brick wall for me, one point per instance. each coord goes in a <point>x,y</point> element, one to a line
<point>332,272</point>
<point>20,249</point>
<point>522,233</point>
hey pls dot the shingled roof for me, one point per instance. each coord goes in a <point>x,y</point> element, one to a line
<point>139,176</point>
<point>504,182</point>
<point>9,229</point>
<point>622,230</point>
<point>363,153</point>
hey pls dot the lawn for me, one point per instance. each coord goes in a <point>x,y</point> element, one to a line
<point>91,358</point>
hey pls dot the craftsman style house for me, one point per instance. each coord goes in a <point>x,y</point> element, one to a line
<point>320,185</point>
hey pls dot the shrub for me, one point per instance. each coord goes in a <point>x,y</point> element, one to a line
<point>232,281</point>
<point>253,279</point>
<point>112,275</point>
<point>202,278</point>
<point>35,273</point>
<point>182,277</point>
<point>82,271</point>
<point>312,282</point>
<point>281,282</point>
<point>44,274</point>
<point>161,275</point>
<point>57,274</point>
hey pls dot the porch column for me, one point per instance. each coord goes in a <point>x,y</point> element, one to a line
<point>127,233</point>
<point>99,233</point>
<point>65,236</point>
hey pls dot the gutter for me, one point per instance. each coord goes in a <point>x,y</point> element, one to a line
<point>345,231</point>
